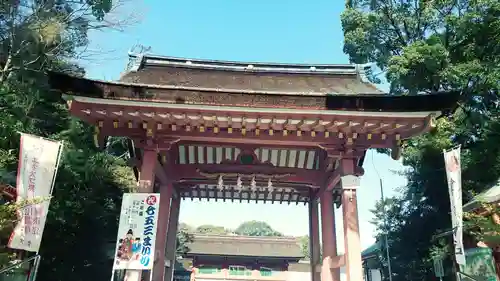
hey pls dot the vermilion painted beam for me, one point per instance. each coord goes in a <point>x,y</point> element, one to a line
<point>160,172</point>
<point>186,172</point>
<point>333,179</point>
<point>244,146</point>
<point>263,139</point>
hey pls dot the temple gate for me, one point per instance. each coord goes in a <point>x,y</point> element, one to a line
<point>252,132</point>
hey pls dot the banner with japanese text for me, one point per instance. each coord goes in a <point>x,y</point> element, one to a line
<point>135,247</point>
<point>454,177</point>
<point>37,169</point>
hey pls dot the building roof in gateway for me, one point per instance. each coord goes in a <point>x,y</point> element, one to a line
<point>245,246</point>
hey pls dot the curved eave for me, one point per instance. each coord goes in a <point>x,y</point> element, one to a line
<point>442,102</point>
<point>216,255</point>
<point>98,88</point>
<point>305,112</point>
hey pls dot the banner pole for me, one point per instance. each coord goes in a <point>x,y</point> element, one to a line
<point>36,264</point>
<point>59,154</point>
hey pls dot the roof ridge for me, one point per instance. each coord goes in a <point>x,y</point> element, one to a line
<point>246,237</point>
<point>183,59</point>
<point>140,60</point>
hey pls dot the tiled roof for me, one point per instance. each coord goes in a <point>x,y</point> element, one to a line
<point>227,245</point>
<point>491,195</point>
<point>270,77</point>
<point>370,251</point>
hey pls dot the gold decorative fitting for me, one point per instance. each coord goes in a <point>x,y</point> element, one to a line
<point>216,130</point>
<point>399,126</point>
<point>384,136</point>
<point>164,159</point>
<point>100,124</point>
<point>243,131</point>
<point>144,125</point>
<point>341,135</point>
<point>257,132</point>
<point>327,134</point>
<point>354,135</point>
<point>188,128</point>
<point>349,140</point>
<point>130,125</point>
<point>299,133</point>
<point>115,124</point>
<point>398,136</point>
<point>202,129</point>
<point>313,134</point>
<point>271,132</point>
<point>229,130</point>
<point>369,136</point>
<point>174,127</point>
<point>285,133</point>
<point>149,132</point>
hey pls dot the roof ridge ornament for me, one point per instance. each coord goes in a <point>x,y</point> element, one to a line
<point>137,57</point>
<point>363,71</point>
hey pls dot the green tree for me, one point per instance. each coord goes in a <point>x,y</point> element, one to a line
<point>432,47</point>
<point>304,246</point>
<point>184,237</point>
<point>256,228</point>
<point>36,36</point>
<point>211,229</point>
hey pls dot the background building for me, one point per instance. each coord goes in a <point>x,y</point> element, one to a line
<point>371,263</point>
<point>233,257</point>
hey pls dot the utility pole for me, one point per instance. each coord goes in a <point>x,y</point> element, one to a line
<point>387,252</point>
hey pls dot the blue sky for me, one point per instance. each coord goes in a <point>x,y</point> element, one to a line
<point>290,31</point>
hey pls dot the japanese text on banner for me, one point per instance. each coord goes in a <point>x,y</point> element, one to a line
<point>137,231</point>
<point>38,162</point>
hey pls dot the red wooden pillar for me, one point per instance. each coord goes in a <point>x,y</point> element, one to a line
<point>352,244</point>
<point>173,225</point>
<point>145,185</point>
<point>166,192</point>
<point>314,245</point>
<point>328,236</point>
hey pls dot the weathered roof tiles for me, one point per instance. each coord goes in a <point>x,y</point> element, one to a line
<point>227,75</point>
<point>227,245</point>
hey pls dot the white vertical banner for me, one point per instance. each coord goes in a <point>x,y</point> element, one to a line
<point>454,177</point>
<point>135,245</point>
<point>36,172</point>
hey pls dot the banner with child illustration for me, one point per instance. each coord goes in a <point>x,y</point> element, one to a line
<point>135,247</point>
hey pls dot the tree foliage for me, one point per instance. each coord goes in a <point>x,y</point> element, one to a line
<point>82,221</point>
<point>304,246</point>
<point>184,236</point>
<point>211,229</point>
<point>432,46</point>
<point>186,233</point>
<point>485,224</point>
<point>256,228</point>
